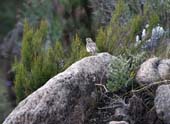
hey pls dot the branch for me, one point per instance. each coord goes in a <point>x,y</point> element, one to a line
<point>101,85</point>
<point>150,85</point>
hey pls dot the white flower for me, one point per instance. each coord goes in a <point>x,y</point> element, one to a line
<point>137,38</point>
<point>138,41</point>
<point>147,26</point>
<point>157,32</point>
<point>143,34</point>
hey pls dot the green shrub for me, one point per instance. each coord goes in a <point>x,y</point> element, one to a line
<point>134,6</point>
<point>114,35</point>
<point>135,26</point>
<point>20,81</point>
<point>76,51</point>
<point>36,65</point>
<point>153,20</point>
<point>162,10</point>
<point>120,34</point>
<point>65,17</point>
<point>122,71</point>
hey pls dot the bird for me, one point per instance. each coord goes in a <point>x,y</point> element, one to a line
<point>91,46</point>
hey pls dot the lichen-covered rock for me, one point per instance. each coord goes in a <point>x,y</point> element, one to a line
<point>153,70</point>
<point>164,69</point>
<point>66,98</point>
<point>148,72</point>
<point>162,103</point>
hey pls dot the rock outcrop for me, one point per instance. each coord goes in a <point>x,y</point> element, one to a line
<point>118,122</point>
<point>67,98</point>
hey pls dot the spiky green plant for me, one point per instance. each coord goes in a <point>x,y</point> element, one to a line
<point>122,71</point>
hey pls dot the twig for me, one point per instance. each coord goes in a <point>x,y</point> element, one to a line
<point>108,107</point>
<point>101,85</point>
<point>150,85</point>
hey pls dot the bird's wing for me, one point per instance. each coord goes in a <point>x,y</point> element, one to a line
<point>88,48</point>
<point>93,47</point>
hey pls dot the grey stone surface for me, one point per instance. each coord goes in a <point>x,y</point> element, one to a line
<point>164,69</point>
<point>118,122</point>
<point>148,72</point>
<point>66,98</point>
<point>153,70</point>
<point>162,103</point>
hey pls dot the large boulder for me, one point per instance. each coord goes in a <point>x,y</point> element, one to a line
<point>67,98</point>
<point>162,103</point>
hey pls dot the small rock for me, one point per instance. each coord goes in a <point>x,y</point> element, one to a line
<point>118,122</point>
<point>136,108</point>
<point>164,69</point>
<point>148,72</point>
<point>153,70</point>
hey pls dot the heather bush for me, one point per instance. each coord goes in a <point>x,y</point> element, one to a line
<point>35,67</point>
<point>38,64</point>
<point>77,51</point>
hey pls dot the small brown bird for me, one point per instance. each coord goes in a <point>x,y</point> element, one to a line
<point>91,46</point>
